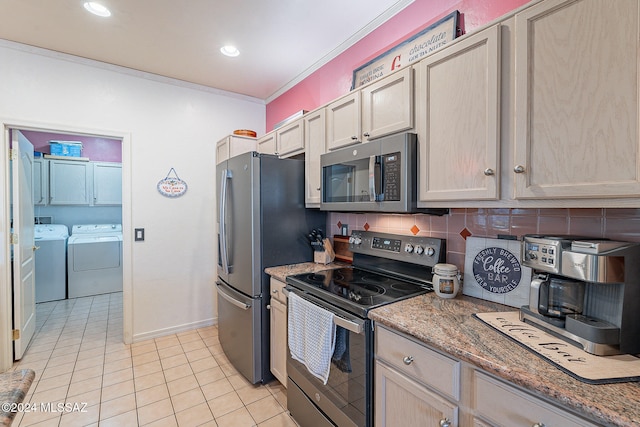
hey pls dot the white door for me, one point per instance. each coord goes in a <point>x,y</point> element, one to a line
<point>24,295</point>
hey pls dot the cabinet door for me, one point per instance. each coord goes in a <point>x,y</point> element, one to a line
<point>278,351</point>
<point>69,182</point>
<point>240,145</point>
<point>459,112</point>
<point>40,182</point>
<point>504,405</point>
<point>577,118</point>
<point>387,105</point>
<point>222,150</point>
<point>107,183</point>
<point>343,121</point>
<point>290,139</point>
<point>400,401</point>
<point>315,142</point>
<point>267,144</point>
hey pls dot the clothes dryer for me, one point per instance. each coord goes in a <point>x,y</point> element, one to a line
<point>94,261</point>
<point>51,262</point>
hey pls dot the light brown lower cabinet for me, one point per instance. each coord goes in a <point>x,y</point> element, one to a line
<point>416,385</point>
<point>278,330</point>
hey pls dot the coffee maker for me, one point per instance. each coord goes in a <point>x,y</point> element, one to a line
<point>585,291</point>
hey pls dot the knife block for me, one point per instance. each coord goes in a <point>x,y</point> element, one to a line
<point>325,256</point>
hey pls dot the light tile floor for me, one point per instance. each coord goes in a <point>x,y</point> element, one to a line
<point>183,379</point>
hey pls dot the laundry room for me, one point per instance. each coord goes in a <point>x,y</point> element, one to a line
<point>77,205</point>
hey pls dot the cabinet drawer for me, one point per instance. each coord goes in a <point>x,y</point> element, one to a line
<point>419,362</point>
<point>504,405</point>
<point>277,290</point>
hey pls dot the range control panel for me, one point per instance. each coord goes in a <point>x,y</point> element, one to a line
<point>427,251</point>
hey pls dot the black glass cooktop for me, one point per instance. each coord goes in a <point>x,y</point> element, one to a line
<point>354,289</point>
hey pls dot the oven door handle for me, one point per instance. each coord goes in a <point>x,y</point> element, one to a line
<point>349,325</point>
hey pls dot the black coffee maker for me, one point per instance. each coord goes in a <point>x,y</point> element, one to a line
<point>585,291</point>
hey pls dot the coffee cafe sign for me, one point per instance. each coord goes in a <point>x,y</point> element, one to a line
<point>492,271</point>
<point>411,50</point>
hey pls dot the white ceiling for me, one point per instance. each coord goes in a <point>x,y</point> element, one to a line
<point>281,41</point>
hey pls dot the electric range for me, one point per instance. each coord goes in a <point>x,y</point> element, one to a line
<point>386,268</point>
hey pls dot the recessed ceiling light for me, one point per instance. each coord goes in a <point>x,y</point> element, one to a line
<point>229,50</point>
<point>97,9</point>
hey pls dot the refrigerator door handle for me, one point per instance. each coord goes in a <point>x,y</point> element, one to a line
<point>226,175</point>
<point>232,300</point>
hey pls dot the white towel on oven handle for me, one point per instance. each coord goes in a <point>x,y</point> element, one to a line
<point>311,336</point>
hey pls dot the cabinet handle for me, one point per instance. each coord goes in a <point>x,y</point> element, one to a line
<point>367,135</point>
<point>446,423</point>
<point>489,172</point>
<point>519,169</point>
<point>275,291</point>
<point>354,138</point>
<point>268,306</point>
<point>538,425</point>
<point>407,360</point>
<point>318,188</point>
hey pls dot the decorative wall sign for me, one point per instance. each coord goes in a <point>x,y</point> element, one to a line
<point>492,271</point>
<point>413,49</point>
<point>172,186</point>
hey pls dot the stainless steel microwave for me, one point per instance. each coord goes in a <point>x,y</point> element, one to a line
<point>376,176</point>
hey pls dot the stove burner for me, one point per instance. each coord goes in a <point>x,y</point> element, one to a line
<point>399,286</point>
<point>317,278</point>
<point>375,278</point>
<point>364,293</point>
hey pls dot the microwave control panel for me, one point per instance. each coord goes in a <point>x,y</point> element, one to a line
<point>392,176</point>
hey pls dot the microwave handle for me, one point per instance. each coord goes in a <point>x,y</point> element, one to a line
<point>375,178</point>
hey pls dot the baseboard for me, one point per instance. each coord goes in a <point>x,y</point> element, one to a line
<point>174,329</point>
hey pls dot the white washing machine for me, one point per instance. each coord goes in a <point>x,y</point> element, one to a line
<point>94,259</point>
<point>51,262</point>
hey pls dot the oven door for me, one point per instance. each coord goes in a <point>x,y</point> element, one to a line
<point>346,398</point>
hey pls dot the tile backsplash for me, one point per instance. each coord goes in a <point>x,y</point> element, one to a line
<point>617,224</point>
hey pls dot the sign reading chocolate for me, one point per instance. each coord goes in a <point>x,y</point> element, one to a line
<point>411,50</point>
<point>497,270</point>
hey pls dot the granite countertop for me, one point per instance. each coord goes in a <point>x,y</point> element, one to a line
<point>281,272</point>
<point>448,325</point>
<point>13,388</point>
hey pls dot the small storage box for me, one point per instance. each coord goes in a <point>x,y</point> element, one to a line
<point>65,148</point>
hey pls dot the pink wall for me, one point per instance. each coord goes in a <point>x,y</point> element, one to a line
<point>334,79</point>
<point>97,149</point>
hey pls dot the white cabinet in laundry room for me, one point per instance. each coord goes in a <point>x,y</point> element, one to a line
<point>69,182</point>
<point>40,182</point>
<point>107,183</point>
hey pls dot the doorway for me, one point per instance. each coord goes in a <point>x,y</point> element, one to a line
<point>61,212</point>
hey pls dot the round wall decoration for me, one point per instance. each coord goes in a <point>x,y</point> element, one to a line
<point>497,270</point>
<point>172,185</point>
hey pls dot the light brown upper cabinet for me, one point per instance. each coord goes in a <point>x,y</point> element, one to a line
<point>381,108</point>
<point>576,84</point>
<point>459,120</point>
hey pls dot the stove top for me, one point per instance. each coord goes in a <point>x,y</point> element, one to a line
<point>386,268</point>
<point>356,290</point>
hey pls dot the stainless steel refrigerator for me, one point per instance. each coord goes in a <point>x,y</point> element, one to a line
<point>262,222</point>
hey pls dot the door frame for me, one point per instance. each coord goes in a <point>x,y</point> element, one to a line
<point>6,312</point>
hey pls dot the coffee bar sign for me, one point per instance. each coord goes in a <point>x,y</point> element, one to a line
<point>493,271</point>
<point>411,50</point>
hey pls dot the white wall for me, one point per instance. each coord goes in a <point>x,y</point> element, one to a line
<point>170,124</point>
